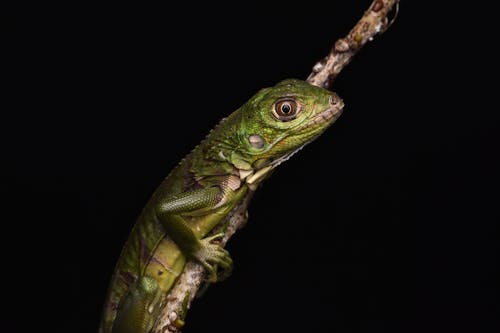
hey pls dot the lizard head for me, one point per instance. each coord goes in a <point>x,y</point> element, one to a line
<point>280,120</point>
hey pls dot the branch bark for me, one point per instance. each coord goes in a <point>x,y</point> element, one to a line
<point>181,296</point>
<point>374,21</point>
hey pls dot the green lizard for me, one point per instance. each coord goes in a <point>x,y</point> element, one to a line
<point>196,196</point>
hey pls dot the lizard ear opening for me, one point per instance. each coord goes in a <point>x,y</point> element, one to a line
<point>256,141</point>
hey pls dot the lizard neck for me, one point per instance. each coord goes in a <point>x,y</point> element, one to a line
<point>212,157</point>
<point>223,152</point>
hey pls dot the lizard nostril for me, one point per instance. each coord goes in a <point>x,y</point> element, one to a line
<point>333,100</point>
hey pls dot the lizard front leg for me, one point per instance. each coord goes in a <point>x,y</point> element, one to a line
<point>171,212</point>
<point>140,306</point>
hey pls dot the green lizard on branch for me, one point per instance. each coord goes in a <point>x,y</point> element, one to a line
<point>202,190</point>
<point>215,181</point>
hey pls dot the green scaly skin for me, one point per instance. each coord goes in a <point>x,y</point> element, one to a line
<point>199,193</point>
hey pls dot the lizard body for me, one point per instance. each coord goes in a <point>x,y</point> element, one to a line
<point>201,191</point>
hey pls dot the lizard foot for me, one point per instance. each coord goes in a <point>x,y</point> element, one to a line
<point>210,255</point>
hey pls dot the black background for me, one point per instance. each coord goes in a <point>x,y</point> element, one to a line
<point>387,223</point>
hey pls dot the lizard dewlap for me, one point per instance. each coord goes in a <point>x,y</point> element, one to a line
<point>202,190</point>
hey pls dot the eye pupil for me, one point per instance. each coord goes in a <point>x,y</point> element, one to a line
<point>285,108</point>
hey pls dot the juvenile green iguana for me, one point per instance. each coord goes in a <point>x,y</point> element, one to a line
<point>203,189</point>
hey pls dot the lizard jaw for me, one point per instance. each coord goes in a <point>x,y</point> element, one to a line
<point>329,115</point>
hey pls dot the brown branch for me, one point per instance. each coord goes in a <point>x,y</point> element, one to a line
<point>374,21</point>
<point>186,287</point>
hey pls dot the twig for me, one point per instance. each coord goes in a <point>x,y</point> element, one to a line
<point>180,297</point>
<point>373,22</point>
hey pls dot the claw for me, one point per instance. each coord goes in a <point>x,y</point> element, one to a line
<point>213,237</point>
<point>223,262</point>
<point>212,255</point>
<point>227,270</point>
<point>212,272</point>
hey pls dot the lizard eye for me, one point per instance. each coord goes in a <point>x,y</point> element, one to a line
<point>286,109</point>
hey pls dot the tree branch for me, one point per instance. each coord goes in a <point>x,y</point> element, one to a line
<point>374,21</point>
<point>180,297</point>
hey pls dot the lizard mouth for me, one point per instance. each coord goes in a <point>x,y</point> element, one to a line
<point>327,116</point>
